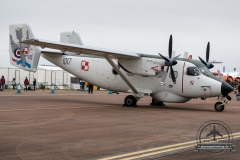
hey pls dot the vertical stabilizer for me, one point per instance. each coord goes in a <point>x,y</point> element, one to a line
<point>23,56</point>
<point>70,37</point>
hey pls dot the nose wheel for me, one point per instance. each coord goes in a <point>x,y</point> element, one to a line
<point>219,106</point>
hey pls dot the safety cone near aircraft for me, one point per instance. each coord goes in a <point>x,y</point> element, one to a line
<point>19,88</point>
<point>135,73</point>
<point>52,89</point>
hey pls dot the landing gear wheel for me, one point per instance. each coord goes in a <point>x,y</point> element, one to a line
<point>219,107</point>
<point>157,102</point>
<point>130,100</point>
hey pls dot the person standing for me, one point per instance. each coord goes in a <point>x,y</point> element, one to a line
<point>34,84</point>
<point>26,83</point>
<point>86,86</point>
<point>81,82</point>
<point>2,83</point>
<point>90,88</point>
<point>13,83</point>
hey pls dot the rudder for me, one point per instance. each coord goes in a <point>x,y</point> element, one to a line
<point>23,56</point>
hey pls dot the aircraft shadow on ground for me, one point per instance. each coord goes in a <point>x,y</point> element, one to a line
<point>178,108</point>
<point>194,107</point>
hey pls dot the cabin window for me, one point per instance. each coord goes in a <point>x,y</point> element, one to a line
<point>175,73</point>
<point>193,71</point>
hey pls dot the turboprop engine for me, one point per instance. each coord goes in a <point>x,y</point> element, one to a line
<point>142,66</point>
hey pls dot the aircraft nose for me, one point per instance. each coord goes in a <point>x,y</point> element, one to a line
<point>226,88</point>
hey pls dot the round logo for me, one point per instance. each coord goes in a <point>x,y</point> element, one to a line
<point>17,53</point>
<point>214,137</point>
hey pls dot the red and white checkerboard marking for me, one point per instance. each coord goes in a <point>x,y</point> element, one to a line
<point>25,50</point>
<point>191,82</point>
<point>84,65</point>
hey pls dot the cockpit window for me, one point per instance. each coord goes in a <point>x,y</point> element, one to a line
<point>205,71</point>
<point>193,71</point>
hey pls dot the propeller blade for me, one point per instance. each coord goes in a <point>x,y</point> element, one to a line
<point>173,75</point>
<point>166,59</point>
<point>177,57</point>
<point>202,61</point>
<point>170,47</point>
<point>164,75</point>
<point>207,52</point>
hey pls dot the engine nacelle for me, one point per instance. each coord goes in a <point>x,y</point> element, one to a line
<point>170,97</point>
<point>142,66</point>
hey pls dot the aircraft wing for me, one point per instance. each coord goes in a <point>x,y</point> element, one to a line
<point>80,49</point>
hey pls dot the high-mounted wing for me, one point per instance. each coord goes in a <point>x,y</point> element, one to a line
<point>80,49</point>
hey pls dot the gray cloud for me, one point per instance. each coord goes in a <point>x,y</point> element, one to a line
<point>136,25</point>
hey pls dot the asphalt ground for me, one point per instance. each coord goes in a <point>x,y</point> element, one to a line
<point>77,125</point>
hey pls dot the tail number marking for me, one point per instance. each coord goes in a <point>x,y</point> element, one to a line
<point>66,61</point>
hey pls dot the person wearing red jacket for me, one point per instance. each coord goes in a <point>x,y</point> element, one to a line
<point>26,83</point>
<point>2,81</point>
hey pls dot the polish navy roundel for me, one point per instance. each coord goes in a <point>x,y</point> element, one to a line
<point>17,53</point>
<point>25,50</point>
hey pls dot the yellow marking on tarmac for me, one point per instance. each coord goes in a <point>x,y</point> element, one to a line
<point>143,151</point>
<point>158,150</point>
<point>164,151</point>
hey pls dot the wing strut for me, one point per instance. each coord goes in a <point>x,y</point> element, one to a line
<point>120,73</point>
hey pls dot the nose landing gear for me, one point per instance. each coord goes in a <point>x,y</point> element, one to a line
<point>219,106</point>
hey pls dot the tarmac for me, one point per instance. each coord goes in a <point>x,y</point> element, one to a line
<point>71,125</point>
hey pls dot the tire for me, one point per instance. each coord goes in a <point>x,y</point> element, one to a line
<point>157,102</point>
<point>154,101</point>
<point>219,108</point>
<point>130,100</point>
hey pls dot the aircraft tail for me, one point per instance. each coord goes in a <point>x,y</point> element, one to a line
<point>70,37</point>
<point>23,56</point>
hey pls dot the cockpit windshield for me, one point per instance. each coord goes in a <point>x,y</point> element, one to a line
<point>205,71</point>
<point>193,71</point>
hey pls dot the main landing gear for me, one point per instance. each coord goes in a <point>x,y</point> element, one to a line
<point>157,102</point>
<point>130,101</point>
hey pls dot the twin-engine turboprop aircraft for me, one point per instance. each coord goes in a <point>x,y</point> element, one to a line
<point>165,79</point>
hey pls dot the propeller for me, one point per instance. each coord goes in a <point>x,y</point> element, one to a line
<point>169,61</point>
<point>209,65</point>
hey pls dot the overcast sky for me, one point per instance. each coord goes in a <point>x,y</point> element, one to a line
<point>142,26</point>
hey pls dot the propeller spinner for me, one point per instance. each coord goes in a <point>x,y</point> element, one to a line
<point>169,61</point>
